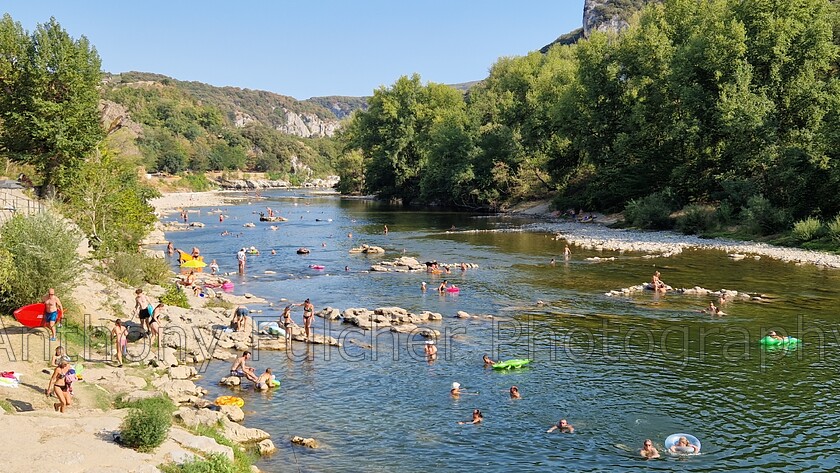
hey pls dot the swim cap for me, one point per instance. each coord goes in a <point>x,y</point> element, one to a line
<point>456,385</point>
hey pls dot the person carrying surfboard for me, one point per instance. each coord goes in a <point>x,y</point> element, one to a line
<point>52,305</point>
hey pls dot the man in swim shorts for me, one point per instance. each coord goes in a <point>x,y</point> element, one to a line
<point>240,369</point>
<point>141,305</point>
<point>240,257</point>
<point>263,381</point>
<point>52,304</point>
<point>238,321</point>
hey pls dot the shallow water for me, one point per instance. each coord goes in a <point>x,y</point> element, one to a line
<point>619,369</point>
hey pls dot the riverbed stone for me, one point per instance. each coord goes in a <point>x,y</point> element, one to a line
<point>241,434</point>
<point>231,381</point>
<point>204,445</point>
<point>182,372</point>
<point>308,442</point>
<point>233,413</point>
<point>266,447</point>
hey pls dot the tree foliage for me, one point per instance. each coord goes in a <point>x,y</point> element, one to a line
<point>49,106</point>
<point>720,101</point>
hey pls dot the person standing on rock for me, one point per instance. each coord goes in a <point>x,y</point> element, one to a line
<point>154,322</point>
<point>120,334</point>
<point>308,315</point>
<point>240,257</point>
<point>52,306</point>
<point>144,310</point>
<point>286,321</point>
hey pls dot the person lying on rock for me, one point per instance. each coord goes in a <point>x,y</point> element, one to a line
<point>240,369</point>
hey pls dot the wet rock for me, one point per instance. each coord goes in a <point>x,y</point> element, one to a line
<point>308,442</point>
<point>329,313</point>
<point>233,413</point>
<point>462,315</point>
<point>196,417</point>
<point>231,381</point>
<point>241,434</point>
<point>179,390</point>
<point>266,447</point>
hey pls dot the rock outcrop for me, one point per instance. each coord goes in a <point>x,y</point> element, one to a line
<point>307,125</point>
<point>601,15</point>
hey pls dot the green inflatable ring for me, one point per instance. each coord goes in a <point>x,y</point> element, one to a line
<point>775,341</point>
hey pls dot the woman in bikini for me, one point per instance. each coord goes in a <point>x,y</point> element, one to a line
<point>308,314</point>
<point>59,386</point>
<point>154,321</point>
<point>287,322</point>
<point>120,338</point>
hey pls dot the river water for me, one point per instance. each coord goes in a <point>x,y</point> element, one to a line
<point>619,369</point>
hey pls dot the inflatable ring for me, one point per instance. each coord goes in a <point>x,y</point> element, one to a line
<point>453,289</point>
<point>230,401</point>
<point>775,341</point>
<point>674,438</point>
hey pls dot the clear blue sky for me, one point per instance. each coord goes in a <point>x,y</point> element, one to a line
<point>307,48</point>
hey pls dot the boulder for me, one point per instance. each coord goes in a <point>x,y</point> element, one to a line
<point>179,390</point>
<point>233,413</point>
<point>114,380</point>
<point>329,313</point>
<point>182,372</point>
<point>195,417</point>
<point>404,328</point>
<point>426,332</point>
<point>266,447</point>
<point>204,445</point>
<point>231,381</point>
<point>431,316</point>
<point>462,315</point>
<point>241,434</point>
<point>306,442</point>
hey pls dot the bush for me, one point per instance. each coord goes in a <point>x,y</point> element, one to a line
<point>196,182</point>
<point>762,218</point>
<point>214,463</point>
<point>807,230</point>
<point>726,213</point>
<point>42,249</point>
<point>134,269</point>
<point>175,296</point>
<point>833,228</point>
<point>148,423</point>
<point>652,212</point>
<point>696,219</point>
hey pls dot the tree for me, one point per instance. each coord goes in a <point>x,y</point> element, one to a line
<point>51,116</point>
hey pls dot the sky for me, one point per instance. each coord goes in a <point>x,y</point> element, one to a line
<point>307,48</point>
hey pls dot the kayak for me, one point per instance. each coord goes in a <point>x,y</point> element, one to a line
<point>230,401</point>
<point>776,341</point>
<point>32,315</point>
<point>511,364</point>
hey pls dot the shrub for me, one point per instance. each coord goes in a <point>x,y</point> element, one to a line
<point>43,255</point>
<point>651,212</point>
<point>148,423</point>
<point>726,213</point>
<point>696,219</point>
<point>762,218</point>
<point>213,463</point>
<point>834,229</point>
<point>175,296</point>
<point>134,269</point>
<point>807,230</point>
<point>196,182</point>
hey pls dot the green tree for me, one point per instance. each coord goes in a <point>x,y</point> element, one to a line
<point>51,116</point>
<point>351,173</point>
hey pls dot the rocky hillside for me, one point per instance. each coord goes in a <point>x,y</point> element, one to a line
<point>316,117</point>
<point>601,15</point>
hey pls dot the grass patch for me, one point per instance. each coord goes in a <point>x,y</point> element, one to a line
<point>175,296</point>
<point>148,423</point>
<point>214,463</point>
<point>217,302</point>
<point>7,406</point>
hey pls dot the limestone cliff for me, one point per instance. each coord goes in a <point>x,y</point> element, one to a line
<point>601,15</point>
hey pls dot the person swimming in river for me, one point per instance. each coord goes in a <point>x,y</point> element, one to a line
<point>488,361</point>
<point>514,393</point>
<point>775,336</point>
<point>456,390</point>
<point>563,426</point>
<point>476,418</point>
<point>713,310</point>
<point>430,350</point>
<point>683,445</point>
<point>443,286</point>
<point>648,451</point>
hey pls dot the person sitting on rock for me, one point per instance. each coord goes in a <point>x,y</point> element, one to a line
<point>264,381</point>
<point>241,370</point>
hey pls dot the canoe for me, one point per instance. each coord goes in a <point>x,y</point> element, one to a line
<point>32,315</point>
<point>511,364</point>
<point>775,341</point>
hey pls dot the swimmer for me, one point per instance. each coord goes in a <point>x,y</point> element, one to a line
<point>262,383</point>
<point>170,248</point>
<point>713,310</point>
<point>273,252</point>
<point>488,361</point>
<point>463,266</point>
<point>567,252</point>
<point>476,418</point>
<point>423,286</point>
<point>775,336</point>
<point>648,451</point>
<point>563,426</point>
<point>349,235</point>
<point>347,268</point>
<point>443,286</point>
<point>385,229</point>
<point>552,262</point>
<point>430,350</point>
<point>456,390</point>
<point>214,267</point>
<point>514,393</point>
<point>683,445</point>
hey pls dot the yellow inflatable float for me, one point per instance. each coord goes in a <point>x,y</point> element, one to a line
<point>230,401</point>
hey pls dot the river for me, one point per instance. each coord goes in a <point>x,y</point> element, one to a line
<point>619,369</point>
